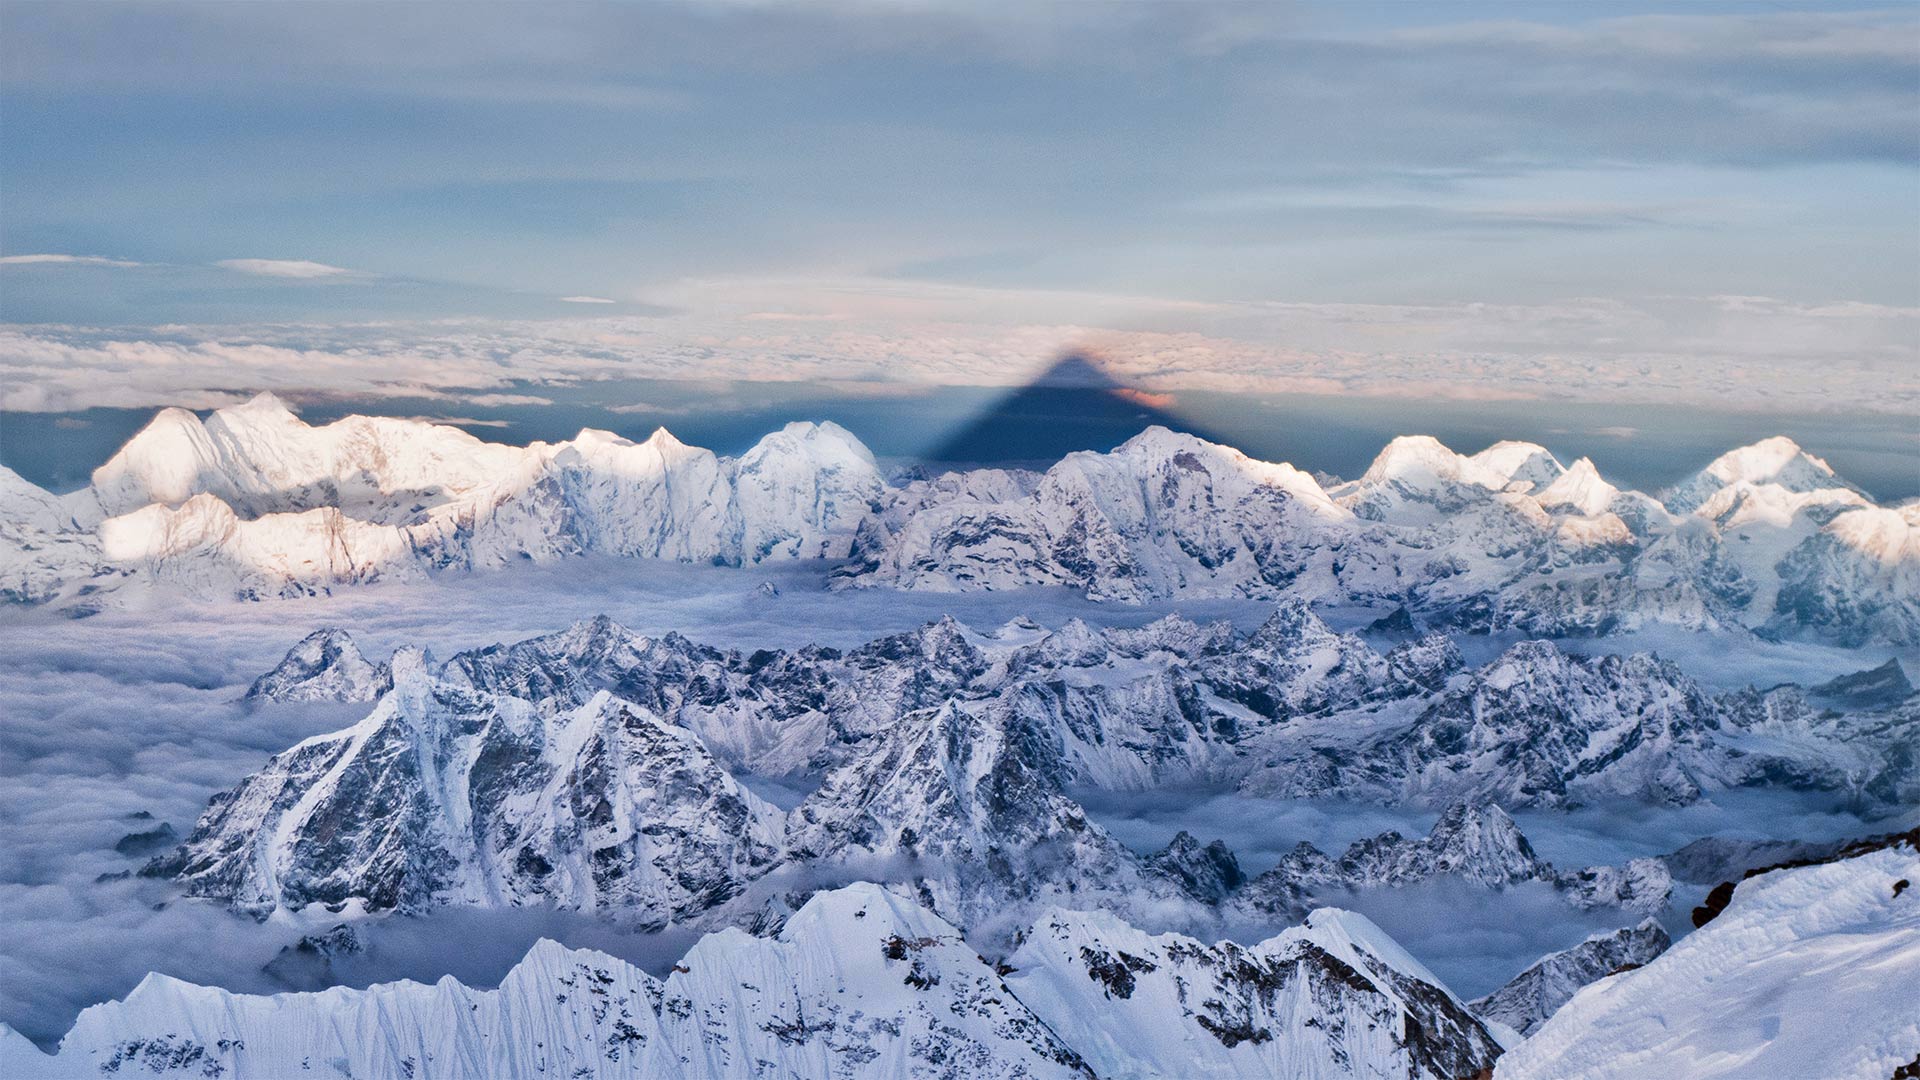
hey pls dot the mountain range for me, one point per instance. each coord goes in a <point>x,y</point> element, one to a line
<point>864,982</point>
<point>859,983</point>
<point>252,503</point>
<point>604,771</point>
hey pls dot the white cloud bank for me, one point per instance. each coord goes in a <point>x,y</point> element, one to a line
<point>63,260</point>
<point>1728,352</point>
<point>586,300</point>
<point>284,268</point>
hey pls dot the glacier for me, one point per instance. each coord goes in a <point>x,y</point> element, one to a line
<point>1808,972</point>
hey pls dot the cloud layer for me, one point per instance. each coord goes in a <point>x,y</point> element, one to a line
<point>132,711</point>
<point>1740,352</point>
<point>302,269</point>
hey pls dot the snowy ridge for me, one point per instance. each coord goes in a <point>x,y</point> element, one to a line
<point>252,503</point>
<point>1756,992</point>
<point>1504,539</point>
<point>1332,998</point>
<point>860,983</point>
<point>1473,842</point>
<point>1538,992</point>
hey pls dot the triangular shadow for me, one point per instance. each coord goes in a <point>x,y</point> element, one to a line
<point>1074,405</point>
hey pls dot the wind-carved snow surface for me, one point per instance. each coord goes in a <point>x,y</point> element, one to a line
<point>859,983</point>
<point>252,503</point>
<point>1809,972</point>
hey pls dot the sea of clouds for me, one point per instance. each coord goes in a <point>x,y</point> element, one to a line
<point>139,711</point>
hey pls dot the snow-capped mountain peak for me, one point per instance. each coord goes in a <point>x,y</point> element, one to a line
<point>1422,461</point>
<point>1332,998</point>
<point>1528,463</point>
<point>1776,462</point>
<point>326,665</point>
<point>1580,489</point>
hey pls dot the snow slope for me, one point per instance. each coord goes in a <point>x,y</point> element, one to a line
<point>1810,972</point>
<point>1334,997</point>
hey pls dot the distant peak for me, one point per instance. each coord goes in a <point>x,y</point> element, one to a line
<point>263,402</point>
<point>1777,461</point>
<point>1466,810</point>
<point>1417,458</point>
<point>1762,461</point>
<point>1160,437</point>
<point>818,440</point>
<point>1581,488</point>
<point>1525,461</point>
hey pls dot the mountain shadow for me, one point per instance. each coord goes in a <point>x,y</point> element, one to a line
<point>1073,405</point>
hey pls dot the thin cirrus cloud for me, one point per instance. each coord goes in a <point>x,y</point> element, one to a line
<point>63,260</point>
<point>585,300</point>
<point>302,269</point>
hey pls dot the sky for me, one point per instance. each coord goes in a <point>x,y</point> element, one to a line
<point>1709,204</point>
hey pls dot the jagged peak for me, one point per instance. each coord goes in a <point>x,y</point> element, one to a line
<point>1581,488</point>
<point>588,436</point>
<point>175,437</point>
<point>1160,437</point>
<point>1075,631</point>
<point>1158,443</point>
<point>413,667</point>
<point>598,626</point>
<point>263,405</point>
<point>880,911</point>
<point>261,417</point>
<point>1293,618</point>
<point>1360,942</point>
<point>1465,814</point>
<point>1532,651</point>
<point>662,439</point>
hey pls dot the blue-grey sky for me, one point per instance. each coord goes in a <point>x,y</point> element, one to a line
<point>1715,202</point>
